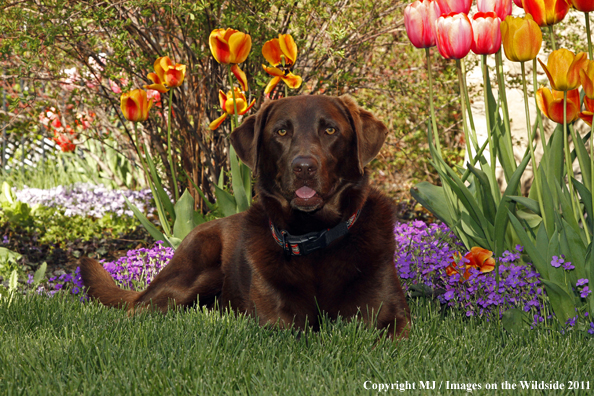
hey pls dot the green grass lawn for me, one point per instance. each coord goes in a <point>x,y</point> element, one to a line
<point>59,346</point>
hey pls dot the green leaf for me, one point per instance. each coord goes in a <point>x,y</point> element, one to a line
<point>527,202</point>
<point>433,199</point>
<point>583,159</point>
<point>535,255</point>
<point>237,182</point>
<point>533,220</point>
<point>184,216</point>
<point>488,202</point>
<point>547,203</point>
<point>6,255</point>
<point>210,206</point>
<point>515,321</point>
<point>152,230</point>
<point>39,274</point>
<point>225,202</point>
<point>246,173</point>
<point>161,194</point>
<point>561,301</point>
<point>576,249</point>
<point>586,196</point>
<point>13,281</point>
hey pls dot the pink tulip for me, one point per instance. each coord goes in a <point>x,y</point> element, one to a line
<point>419,20</point>
<point>454,35</point>
<point>457,6</point>
<point>486,33</point>
<point>502,8</point>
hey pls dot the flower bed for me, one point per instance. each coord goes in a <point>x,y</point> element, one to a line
<point>86,199</point>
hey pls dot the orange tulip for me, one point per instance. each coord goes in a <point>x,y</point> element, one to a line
<point>587,79</point>
<point>546,12</point>
<point>583,5</point>
<point>281,53</point>
<point>551,104</point>
<point>167,74</point>
<point>522,38</point>
<point>479,258</point>
<point>563,69</point>
<point>135,105</point>
<point>229,45</point>
<point>587,115</point>
<point>226,102</point>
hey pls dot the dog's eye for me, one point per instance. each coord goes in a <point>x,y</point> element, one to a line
<point>330,131</point>
<point>282,132</point>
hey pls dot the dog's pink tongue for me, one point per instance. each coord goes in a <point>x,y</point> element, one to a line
<point>305,192</point>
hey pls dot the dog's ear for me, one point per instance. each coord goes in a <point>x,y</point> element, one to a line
<point>245,138</point>
<point>370,132</point>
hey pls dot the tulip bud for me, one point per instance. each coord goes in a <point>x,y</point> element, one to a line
<point>522,38</point>
<point>419,21</point>
<point>551,104</point>
<point>135,105</point>
<point>583,5</point>
<point>563,69</point>
<point>454,35</point>
<point>486,33</point>
<point>546,12</point>
<point>502,8</point>
<point>455,6</point>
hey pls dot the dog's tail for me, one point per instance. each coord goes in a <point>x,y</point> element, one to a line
<point>100,285</point>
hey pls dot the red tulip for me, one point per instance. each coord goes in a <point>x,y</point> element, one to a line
<point>551,104</point>
<point>454,35</point>
<point>419,21</point>
<point>486,33</point>
<point>502,8</point>
<point>583,5</point>
<point>546,12</point>
<point>456,6</point>
<point>519,3</point>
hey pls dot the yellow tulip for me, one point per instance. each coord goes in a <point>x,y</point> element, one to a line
<point>226,102</point>
<point>281,53</point>
<point>229,45</point>
<point>135,105</point>
<point>563,69</point>
<point>521,38</point>
<point>551,104</point>
<point>167,74</point>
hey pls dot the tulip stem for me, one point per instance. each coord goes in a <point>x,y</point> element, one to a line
<point>569,165</point>
<point>530,140</point>
<point>431,104</point>
<point>470,117</point>
<point>494,185</point>
<point>236,123</point>
<point>538,113</point>
<point>463,108</point>
<point>503,97</point>
<point>174,187</point>
<point>588,34</point>
<point>552,33</point>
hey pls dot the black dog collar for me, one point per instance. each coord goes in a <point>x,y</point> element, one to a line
<point>300,245</point>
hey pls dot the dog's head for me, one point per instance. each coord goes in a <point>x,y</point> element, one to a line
<point>307,150</point>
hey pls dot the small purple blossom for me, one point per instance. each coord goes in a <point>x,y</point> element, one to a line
<point>557,261</point>
<point>585,292</point>
<point>568,266</point>
<point>591,330</point>
<point>571,321</point>
<point>581,282</point>
<point>5,240</point>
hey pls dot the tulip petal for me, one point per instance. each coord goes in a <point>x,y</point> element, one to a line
<point>160,73</point>
<point>240,75</point>
<point>217,123</point>
<point>271,85</point>
<point>587,116</point>
<point>587,79</point>
<point>288,47</point>
<point>248,108</point>
<point>157,87</point>
<point>219,46</point>
<point>240,45</point>
<point>292,80</point>
<point>174,76</point>
<point>273,71</point>
<point>272,52</point>
<point>589,103</point>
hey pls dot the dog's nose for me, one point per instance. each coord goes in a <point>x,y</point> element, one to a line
<point>305,167</point>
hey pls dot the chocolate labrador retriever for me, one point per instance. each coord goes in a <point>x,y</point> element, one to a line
<point>318,239</point>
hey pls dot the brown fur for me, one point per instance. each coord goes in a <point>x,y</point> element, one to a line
<point>235,260</point>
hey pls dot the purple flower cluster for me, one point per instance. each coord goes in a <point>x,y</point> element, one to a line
<point>134,271</point>
<point>86,199</point>
<point>425,251</point>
